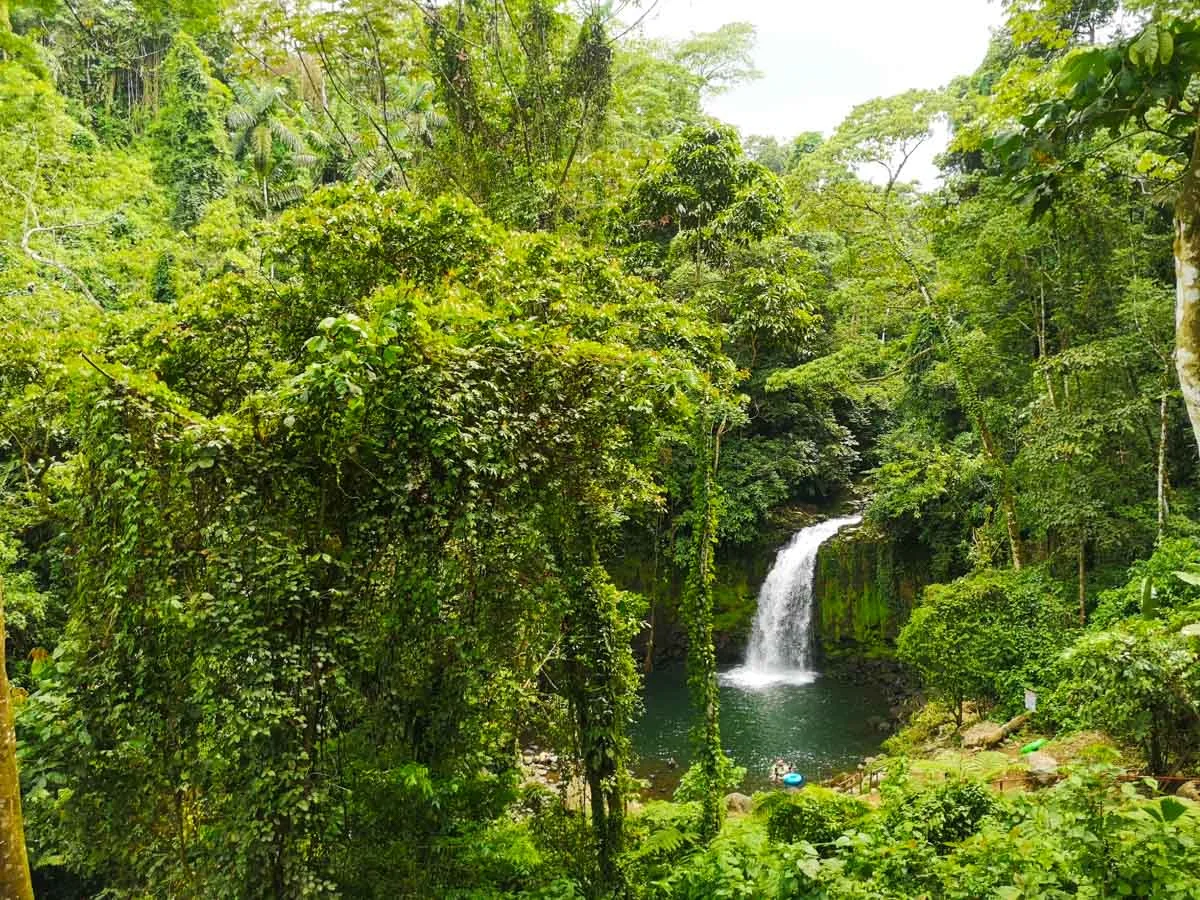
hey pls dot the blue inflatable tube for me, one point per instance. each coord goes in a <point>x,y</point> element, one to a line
<point>793,779</point>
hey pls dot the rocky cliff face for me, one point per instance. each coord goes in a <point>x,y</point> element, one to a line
<point>735,593</point>
<point>863,595</point>
<point>863,591</point>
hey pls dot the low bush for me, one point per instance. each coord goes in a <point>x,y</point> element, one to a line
<point>815,815</point>
<point>944,815</point>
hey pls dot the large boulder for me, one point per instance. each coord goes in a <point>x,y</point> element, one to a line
<point>1043,768</point>
<point>1189,790</point>
<point>738,804</point>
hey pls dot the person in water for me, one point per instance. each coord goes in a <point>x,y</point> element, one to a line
<point>778,769</point>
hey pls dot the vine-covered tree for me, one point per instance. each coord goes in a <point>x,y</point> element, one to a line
<point>192,148</point>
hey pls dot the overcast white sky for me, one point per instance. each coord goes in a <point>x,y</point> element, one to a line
<point>819,58</point>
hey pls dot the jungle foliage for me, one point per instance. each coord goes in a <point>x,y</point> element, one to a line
<point>352,352</point>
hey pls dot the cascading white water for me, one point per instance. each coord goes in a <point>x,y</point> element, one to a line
<point>781,642</point>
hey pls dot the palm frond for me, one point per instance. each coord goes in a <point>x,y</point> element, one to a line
<point>240,117</point>
<point>269,97</point>
<point>286,136</point>
<point>240,140</point>
<point>288,193</point>
<point>366,167</point>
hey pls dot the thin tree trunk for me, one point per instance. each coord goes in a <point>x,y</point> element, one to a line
<point>1187,289</point>
<point>1041,339</point>
<point>1157,762</point>
<point>648,662</point>
<point>1162,466</point>
<point>1082,582</point>
<point>14,862</point>
<point>1008,504</point>
<point>1010,524</point>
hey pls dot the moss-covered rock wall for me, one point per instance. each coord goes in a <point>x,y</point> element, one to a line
<point>735,594</point>
<point>864,592</point>
<point>863,595</point>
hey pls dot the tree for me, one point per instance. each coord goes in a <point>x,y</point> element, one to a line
<point>767,151</point>
<point>192,148</point>
<point>363,560</point>
<point>355,66</point>
<point>526,93</point>
<point>720,59</point>
<point>1133,88</point>
<point>697,608</point>
<point>986,636</point>
<point>266,141</point>
<point>14,863</point>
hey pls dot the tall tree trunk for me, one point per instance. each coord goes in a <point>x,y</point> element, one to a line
<point>14,863</point>
<point>1187,289</point>
<point>1162,466</point>
<point>697,609</point>
<point>593,649</point>
<point>1008,503</point>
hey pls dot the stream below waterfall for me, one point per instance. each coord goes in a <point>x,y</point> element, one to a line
<point>775,705</point>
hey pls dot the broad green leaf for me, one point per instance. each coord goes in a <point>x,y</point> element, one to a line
<point>1172,809</point>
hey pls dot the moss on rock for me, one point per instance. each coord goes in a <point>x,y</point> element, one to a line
<point>863,595</point>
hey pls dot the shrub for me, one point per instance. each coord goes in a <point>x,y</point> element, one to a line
<point>1139,682</point>
<point>1153,587</point>
<point>986,636</point>
<point>814,815</point>
<point>691,785</point>
<point>944,815</point>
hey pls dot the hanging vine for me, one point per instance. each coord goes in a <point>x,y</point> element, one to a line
<point>697,609</point>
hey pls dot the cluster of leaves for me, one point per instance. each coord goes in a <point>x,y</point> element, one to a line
<point>813,815</point>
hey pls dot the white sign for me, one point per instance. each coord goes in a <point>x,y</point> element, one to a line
<point>1030,700</point>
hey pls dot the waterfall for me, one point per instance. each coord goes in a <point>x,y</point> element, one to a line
<point>781,641</point>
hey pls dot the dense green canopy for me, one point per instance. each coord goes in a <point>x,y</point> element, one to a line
<point>375,378</point>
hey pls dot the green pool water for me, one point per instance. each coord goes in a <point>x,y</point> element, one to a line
<point>819,725</point>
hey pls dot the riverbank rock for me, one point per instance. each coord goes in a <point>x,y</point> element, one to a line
<point>1189,790</point>
<point>1043,768</point>
<point>738,804</point>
